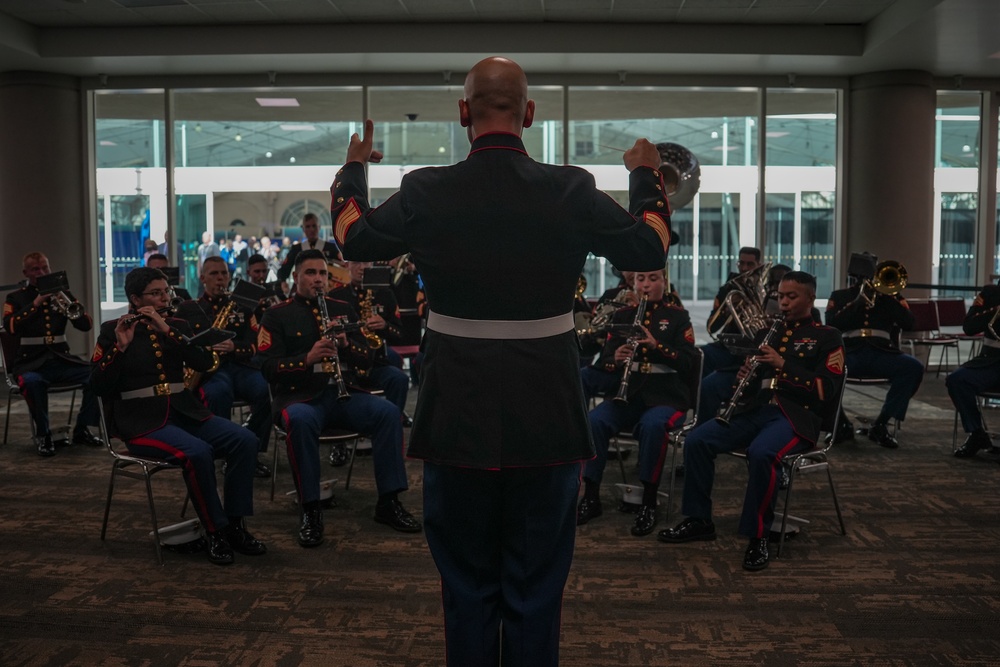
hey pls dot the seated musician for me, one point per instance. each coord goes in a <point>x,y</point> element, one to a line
<point>297,359</point>
<point>38,324</point>
<point>597,380</point>
<point>236,377</point>
<point>160,262</point>
<point>139,366</point>
<point>979,374</point>
<point>717,356</point>
<point>870,321</point>
<point>779,411</point>
<point>382,321</point>
<point>310,228</point>
<point>657,393</point>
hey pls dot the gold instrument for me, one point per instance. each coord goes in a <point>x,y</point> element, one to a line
<point>366,308</point>
<point>744,305</point>
<point>338,275</point>
<point>332,366</point>
<point>581,286</point>
<point>890,279</point>
<point>71,309</point>
<point>193,378</point>
<point>725,413</point>
<point>622,396</point>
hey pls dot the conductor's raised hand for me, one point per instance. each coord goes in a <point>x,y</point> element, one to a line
<point>642,154</point>
<point>360,149</point>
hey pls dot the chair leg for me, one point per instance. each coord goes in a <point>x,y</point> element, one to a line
<point>350,465</point>
<point>672,474</point>
<point>784,513</point>
<point>152,513</point>
<point>621,463</point>
<point>6,424</point>
<point>274,466</point>
<point>107,505</point>
<point>836,502</point>
<point>72,403</point>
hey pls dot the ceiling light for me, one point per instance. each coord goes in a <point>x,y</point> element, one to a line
<point>277,101</point>
<point>966,148</point>
<point>441,149</point>
<point>292,160</point>
<point>775,135</point>
<point>239,137</point>
<point>715,135</point>
<point>197,128</point>
<point>105,142</point>
<point>267,154</point>
<point>302,127</point>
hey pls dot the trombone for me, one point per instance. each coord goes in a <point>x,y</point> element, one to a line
<point>889,279</point>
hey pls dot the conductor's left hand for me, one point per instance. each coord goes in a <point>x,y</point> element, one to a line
<point>360,150</point>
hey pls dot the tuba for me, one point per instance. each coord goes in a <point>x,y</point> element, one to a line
<point>744,304</point>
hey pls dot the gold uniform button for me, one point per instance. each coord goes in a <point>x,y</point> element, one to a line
<point>340,200</point>
<point>159,354</point>
<point>785,339</point>
<point>781,349</point>
<point>658,187</point>
<point>162,377</point>
<point>338,184</point>
<point>159,367</point>
<point>659,203</point>
<point>656,173</point>
<point>152,336</point>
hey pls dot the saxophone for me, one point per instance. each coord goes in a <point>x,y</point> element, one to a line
<point>193,378</point>
<point>366,308</point>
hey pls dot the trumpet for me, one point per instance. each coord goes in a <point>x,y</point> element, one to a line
<point>622,396</point>
<point>333,365</point>
<point>725,413</point>
<point>66,306</point>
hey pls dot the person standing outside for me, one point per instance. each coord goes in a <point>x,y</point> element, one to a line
<point>514,446</point>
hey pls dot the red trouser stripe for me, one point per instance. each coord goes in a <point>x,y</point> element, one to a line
<point>197,496</point>
<point>772,483</point>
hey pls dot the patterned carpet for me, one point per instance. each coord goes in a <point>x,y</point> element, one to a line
<point>914,582</point>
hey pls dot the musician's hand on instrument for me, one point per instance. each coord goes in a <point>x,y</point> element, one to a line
<point>125,332</point>
<point>40,299</point>
<point>744,370</point>
<point>622,353</point>
<point>375,323</point>
<point>648,337</point>
<point>768,355</point>
<point>225,346</point>
<point>155,320</point>
<point>342,339</point>
<point>361,150</point>
<point>321,349</point>
<point>642,154</point>
<point>630,297</point>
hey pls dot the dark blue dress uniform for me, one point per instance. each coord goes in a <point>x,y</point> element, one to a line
<point>148,407</point>
<point>783,415</point>
<point>870,340</point>
<point>305,397</point>
<point>42,356</point>
<point>979,374</point>
<point>501,420</point>
<point>659,389</point>
<point>236,376</point>
<point>383,374</point>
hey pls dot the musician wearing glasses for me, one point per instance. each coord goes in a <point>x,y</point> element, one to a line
<point>37,323</point>
<point>139,363</point>
<point>310,366</point>
<point>235,376</point>
<point>979,374</point>
<point>870,321</point>
<point>654,399</point>
<point>787,391</point>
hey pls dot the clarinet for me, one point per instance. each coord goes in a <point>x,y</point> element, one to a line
<point>338,376</point>
<point>726,411</point>
<point>622,397</point>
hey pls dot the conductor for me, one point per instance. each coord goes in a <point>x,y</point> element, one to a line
<point>501,421</point>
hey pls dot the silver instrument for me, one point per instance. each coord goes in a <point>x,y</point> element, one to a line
<point>681,174</point>
<point>68,307</point>
<point>725,413</point>
<point>744,305</point>
<point>622,396</point>
<point>333,365</point>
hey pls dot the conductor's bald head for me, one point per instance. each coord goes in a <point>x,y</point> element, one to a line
<point>496,98</point>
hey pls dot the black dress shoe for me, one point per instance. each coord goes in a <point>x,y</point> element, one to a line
<point>756,556</point>
<point>977,440</point>
<point>45,445</point>
<point>407,421</point>
<point>394,514</point>
<point>880,433</point>
<point>338,455</point>
<point>261,471</point>
<point>688,530</point>
<point>645,520</point>
<point>311,531</point>
<point>85,437</point>
<point>218,549</point>
<point>242,541</point>
<point>589,508</point>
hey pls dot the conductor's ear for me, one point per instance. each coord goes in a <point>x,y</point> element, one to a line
<point>529,114</point>
<point>464,117</point>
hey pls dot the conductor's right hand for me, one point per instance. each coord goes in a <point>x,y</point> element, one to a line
<point>321,349</point>
<point>642,154</point>
<point>361,150</point>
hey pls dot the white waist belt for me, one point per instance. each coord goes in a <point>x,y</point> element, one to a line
<point>640,367</point>
<point>867,333</point>
<point>42,340</point>
<point>164,389</point>
<point>500,329</point>
<point>989,342</point>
